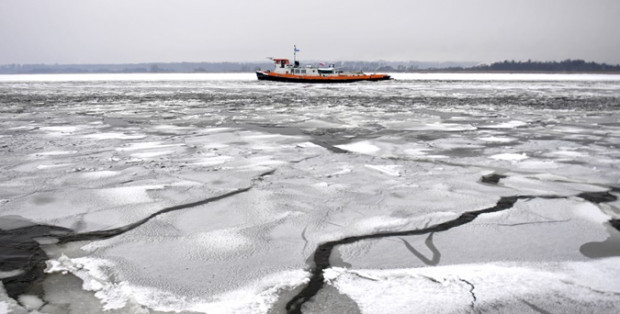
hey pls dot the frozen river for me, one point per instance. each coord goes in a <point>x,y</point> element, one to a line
<point>448,193</point>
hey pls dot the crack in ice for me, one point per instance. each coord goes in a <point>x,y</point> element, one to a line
<point>322,253</point>
<point>32,258</point>
<point>534,307</point>
<point>105,234</point>
<point>434,260</point>
<point>533,223</point>
<point>471,291</point>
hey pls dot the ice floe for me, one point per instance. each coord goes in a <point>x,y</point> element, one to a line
<point>506,287</point>
<point>97,275</point>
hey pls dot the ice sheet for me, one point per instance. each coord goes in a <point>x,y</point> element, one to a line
<point>504,287</point>
<point>317,163</point>
<point>255,297</point>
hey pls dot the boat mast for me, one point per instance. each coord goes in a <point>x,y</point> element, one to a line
<point>295,51</point>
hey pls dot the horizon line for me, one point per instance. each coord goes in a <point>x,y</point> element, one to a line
<point>309,60</point>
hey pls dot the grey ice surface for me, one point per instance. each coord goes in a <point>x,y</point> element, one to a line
<point>93,153</point>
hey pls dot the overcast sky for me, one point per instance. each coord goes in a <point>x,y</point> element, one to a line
<point>132,31</point>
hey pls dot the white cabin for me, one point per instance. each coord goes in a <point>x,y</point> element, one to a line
<point>283,66</point>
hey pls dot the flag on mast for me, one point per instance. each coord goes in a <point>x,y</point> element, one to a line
<point>295,49</point>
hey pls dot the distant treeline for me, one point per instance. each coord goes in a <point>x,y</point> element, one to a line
<point>533,66</point>
<point>575,66</point>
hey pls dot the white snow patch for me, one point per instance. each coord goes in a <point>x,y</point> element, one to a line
<point>212,161</point>
<point>330,274</point>
<point>145,146</point>
<point>214,130</point>
<point>307,145</point>
<point>172,128</point>
<point>61,129</point>
<point>30,302</point>
<point>391,170</point>
<point>114,135</point>
<point>99,174</point>
<point>437,126</point>
<point>507,125</point>
<point>53,166</point>
<point>416,151</point>
<point>497,139</point>
<point>435,157</point>
<point>509,156</point>
<point>590,212</point>
<point>364,147</point>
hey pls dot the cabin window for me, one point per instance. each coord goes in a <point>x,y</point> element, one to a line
<point>303,71</point>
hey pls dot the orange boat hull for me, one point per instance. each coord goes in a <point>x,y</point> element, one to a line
<point>271,76</point>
